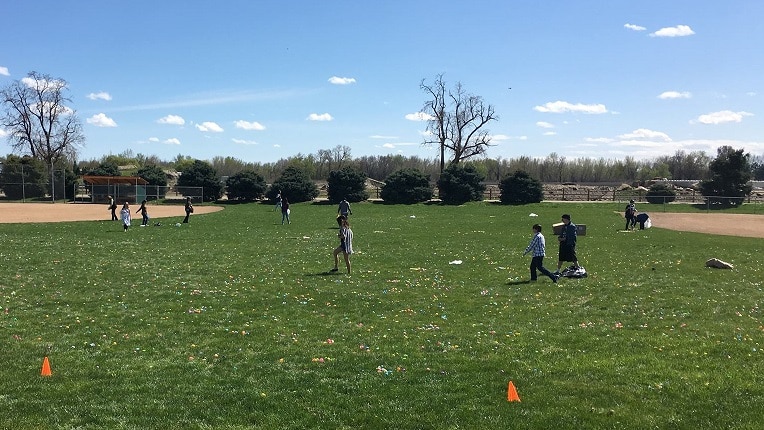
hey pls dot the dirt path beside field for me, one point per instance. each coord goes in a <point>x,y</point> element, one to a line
<point>60,212</point>
<point>711,223</point>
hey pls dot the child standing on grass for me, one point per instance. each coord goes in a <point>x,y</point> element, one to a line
<point>346,245</point>
<point>113,208</point>
<point>538,247</point>
<point>189,208</point>
<point>285,211</point>
<point>630,214</point>
<point>126,217</point>
<point>144,213</point>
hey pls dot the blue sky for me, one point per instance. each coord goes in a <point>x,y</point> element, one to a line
<point>264,80</point>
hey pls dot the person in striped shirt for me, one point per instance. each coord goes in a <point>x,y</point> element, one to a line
<point>538,248</point>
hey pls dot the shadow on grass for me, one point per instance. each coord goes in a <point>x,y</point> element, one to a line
<point>326,273</point>
<point>527,281</point>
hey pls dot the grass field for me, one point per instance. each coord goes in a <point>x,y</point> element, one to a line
<point>234,322</point>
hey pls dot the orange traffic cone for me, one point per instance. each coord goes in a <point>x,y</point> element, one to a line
<point>45,367</point>
<point>512,393</point>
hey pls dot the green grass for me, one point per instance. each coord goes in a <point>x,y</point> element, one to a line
<point>233,322</point>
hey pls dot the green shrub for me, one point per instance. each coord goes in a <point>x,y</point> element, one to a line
<point>295,185</point>
<point>107,168</point>
<point>660,193</point>
<point>460,184</point>
<point>23,178</point>
<point>153,174</point>
<point>347,183</point>
<point>406,186</point>
<point>155,177</point>
<point>245,185</point>
<point>201,174</point>
<point>519,188</point>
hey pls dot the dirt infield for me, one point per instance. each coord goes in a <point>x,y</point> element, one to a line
<point>60,212</point>
<point>723,224</point>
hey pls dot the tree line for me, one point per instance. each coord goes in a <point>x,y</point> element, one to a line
<point>550,169</point>
<point>46,131</point>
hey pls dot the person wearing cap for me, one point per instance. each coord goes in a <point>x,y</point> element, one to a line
<point>630,214</point>
<point>567,239</point>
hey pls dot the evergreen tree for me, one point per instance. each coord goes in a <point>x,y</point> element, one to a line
<point>730,173</point>
<point>406,186</point>
<point>154,175</point>
<point>200,174</point>
<point>295,185</point>
<point>23,177</point>
<point>520,188</point>
<point>461,183</point>
<point>107,168</point>
<point>246,185</point>
<point>347,183</point>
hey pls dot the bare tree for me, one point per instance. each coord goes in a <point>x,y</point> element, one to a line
<point>456,120</point>
<point>38,120</point>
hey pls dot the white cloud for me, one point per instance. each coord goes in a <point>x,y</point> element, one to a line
<point>643,133</point>
<point>641,143</point>
<point>4,71</point>
<point>675,95</point>
<point>550,133</point>
<point>647,149</point>
<point>172,141</point>
<point>391,145</point>
<point>504,137</point>
<point>544,124</point>
<point>3,133</point>
<point>419,116</point>
<point>244,142</point>
<point>42,83</point>
<point>209,126</point>
<point>678,31</point>
<point>101,120</point>
<point>722,117</point>
<point>336,80</point>
<point>319,117</point>
<point>172,119</point>
<point>153,139</point>
<point>244,125</point>
<point>634,27</point>
<point>560,107</point>
<point>99,96</point>
<point>598,139</point>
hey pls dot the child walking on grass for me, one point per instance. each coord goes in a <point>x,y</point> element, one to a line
<point>144,213</point>
<point>126,217</point>
<point>538,247</point>
<point>346,245</point>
